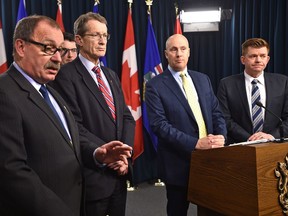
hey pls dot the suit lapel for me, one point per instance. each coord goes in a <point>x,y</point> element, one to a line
<point>92,86</point>
<point>37,99</point>
<point>241,89</point>
<point>66,114</point>
<point>171,84</point>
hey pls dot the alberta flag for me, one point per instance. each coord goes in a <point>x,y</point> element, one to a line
<point>103,61</point>
<point>152,68</point>
<point>21,10</point>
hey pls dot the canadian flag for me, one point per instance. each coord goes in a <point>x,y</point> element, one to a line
<point>130,85</point>
<point>177,27</point>
<point>59,19</point>
<point>3,60</point>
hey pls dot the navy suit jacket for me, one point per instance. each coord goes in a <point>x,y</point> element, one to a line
<point>172,120</point>
<point>94,119</point>
<point>40,171</point>
<point>234,104</point>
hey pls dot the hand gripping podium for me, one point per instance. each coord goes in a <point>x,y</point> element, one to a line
<point>238,180</point>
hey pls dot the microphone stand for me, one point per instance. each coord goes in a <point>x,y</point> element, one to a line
<point>281,128</point>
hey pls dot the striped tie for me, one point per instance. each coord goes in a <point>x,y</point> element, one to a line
<point>191,96</point>
<point>257,113</point>
<point>105,91</point>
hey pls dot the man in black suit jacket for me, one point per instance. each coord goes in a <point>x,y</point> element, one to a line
<point>235,91</point>
<point>77,83</point>
<point>40,159</point>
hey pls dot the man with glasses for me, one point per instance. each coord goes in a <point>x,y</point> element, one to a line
<point>69,49</point>
<point>95,97</point>
<point>40,157</point>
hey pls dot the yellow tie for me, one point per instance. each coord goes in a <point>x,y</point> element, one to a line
<point>191,95</point>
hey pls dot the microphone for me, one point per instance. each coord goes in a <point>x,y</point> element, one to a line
<point>281,129</point>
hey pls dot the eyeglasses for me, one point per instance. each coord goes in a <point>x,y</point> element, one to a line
<point>98,36</point>
<point>47,48</point>
<point>64,51</point>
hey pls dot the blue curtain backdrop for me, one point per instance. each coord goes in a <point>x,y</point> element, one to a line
<point>215,53</point>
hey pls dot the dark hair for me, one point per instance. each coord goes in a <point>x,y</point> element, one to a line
<point>26,26</point>
<point>68,36</point>
<point>80,24</point>
<point>255,43</point>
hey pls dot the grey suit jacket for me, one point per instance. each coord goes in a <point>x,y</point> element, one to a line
<point>40,167</point>
<point>234,104</point>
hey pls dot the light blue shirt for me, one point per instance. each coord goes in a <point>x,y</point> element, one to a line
<point>176,75</point>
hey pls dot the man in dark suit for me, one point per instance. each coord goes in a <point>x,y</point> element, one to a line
<point>99,120</point>
<point>178,128</point>
<point>235,94</point>
<point>40,160</point>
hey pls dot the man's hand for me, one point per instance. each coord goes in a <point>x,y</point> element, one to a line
<point>119,166</point>
<point>259,136</point>
<point>112,152</point>
<point>211,141</point>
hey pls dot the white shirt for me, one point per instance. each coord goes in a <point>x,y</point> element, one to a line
<point>89,66</point>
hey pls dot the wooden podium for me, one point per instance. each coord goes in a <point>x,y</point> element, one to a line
<point>237,180</point>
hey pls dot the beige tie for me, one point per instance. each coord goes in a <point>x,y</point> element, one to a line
<point>191,95</point>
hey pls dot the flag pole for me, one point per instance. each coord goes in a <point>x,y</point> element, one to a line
<point>129,186</point>
<point>177,27</point>
<point>130,3</point>
<point>176,8</point>
<point>149,5</point>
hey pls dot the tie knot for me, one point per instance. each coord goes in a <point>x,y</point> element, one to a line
<point>182,74</point>
<point>254,81</point>
<point>43,90</point>
<point>96,69</point>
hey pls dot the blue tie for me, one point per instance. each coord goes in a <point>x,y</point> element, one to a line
<point>44,92</point>
<point>257,113</point>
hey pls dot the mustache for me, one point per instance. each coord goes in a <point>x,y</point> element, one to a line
<point>52,65</point>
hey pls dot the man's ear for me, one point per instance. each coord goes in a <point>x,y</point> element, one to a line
<point>78,40</point>
<point>19,47</point>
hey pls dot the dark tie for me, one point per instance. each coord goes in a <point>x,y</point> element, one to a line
<point>105,91</point>
<point>257,113</point>
<point>44,92</point>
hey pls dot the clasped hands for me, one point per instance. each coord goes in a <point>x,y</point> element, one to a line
<point>115,154</point>
<point>259,136</point>
<point>210,141</point>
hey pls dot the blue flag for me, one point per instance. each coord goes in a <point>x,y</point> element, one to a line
<point>21,10</point>
<point>96,10</point>
<point>152,68</point>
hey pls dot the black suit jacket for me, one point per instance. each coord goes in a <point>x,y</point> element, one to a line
<point>40,168</point>
<point>234,104</point>
<point>94,118</point>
